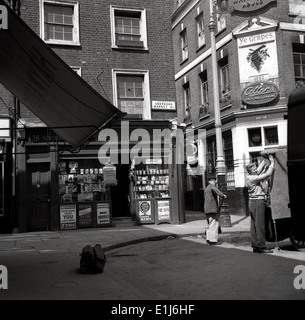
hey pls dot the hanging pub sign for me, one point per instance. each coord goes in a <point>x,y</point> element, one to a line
<point>67,217</point>
<point>260,93</point>
<point>109,173</point>
<point>248,5</point>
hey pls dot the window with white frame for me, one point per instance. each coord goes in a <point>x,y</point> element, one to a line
<point>78,70</point>
<point>59,22</point>
<point>187,96</point>
<point>299,67</point>
<point>200,30</point>
<point>131,92</point>
<point>221,20</point>
<point>184,45</point>
<point>225,90</point>
<point>128,28</point>
<point>261,137</point>
<point>204,92</point>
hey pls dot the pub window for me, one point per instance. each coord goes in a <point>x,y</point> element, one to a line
<point>228,150</point>
<point>271,136</point>
<point>225,89</point>
<point>60,22</point>
<point>184,45</point>
<point>200,30</point>
<point>186,96</point>
<point>299,64</point>
<point>128,28</point>
<point>211,155</point>
<point>255,137</point>
<point>221,20</point>
<point>204,91</point>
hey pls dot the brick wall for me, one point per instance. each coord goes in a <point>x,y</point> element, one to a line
<point>96,57</point>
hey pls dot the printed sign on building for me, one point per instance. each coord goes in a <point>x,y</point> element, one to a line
<point>163,105</point>
<point>258,61</point>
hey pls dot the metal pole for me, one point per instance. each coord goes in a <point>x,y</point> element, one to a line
<point>225,220</point>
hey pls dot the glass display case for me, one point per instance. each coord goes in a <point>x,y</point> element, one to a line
<point>151,181</point>
<point>152,195</point>
<point>83,195</point>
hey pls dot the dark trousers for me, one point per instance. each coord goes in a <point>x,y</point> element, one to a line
<point>257,212</point>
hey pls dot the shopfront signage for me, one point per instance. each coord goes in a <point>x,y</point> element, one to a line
<point>67,217</point>
<point>248,5</point>
<point>163,210</point>
<point>163,105</point>
<point>103,213</point>
<point>145,211</point>
<point>260,93</point>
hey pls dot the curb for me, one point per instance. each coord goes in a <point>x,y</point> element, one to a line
<point>233,237</point>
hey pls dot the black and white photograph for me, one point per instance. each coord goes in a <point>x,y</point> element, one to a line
<point>152,153</point>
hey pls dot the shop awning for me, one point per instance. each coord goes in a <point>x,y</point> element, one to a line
<point>43,82</point>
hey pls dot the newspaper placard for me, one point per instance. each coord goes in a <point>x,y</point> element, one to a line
<point>103,213</point>
<point>67,217</point>
<point>85,214</point>
<point>145,211</point>
<point>163,210</point>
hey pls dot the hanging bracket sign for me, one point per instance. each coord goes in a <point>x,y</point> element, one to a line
<point>248,5</point>
<point>260,93</point>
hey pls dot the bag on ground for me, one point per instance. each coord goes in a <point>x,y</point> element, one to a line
<point>92,260</point>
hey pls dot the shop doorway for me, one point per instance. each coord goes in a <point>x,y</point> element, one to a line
<point>120,193</point>
<point>39,195</point>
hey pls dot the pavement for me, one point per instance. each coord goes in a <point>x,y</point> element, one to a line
<point>45,265</point>
<point>117,236</point>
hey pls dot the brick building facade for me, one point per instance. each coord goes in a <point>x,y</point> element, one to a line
<point>123,50</point>
<point>259,48</point>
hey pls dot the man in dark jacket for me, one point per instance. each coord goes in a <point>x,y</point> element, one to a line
<point>211,194</point>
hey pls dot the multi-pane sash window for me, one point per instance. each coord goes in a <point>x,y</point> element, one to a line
<point>224,79</point>
<point>187,96</point>
<point>128,28</point>
<point>299,68</point>
<point>184,46</point>
<point>59,22</point>
<point>204,89</point>
<point>200,30</point>
<point>130,94</point>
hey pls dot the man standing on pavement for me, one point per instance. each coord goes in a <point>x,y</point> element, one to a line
<point>257,205</point>
<point>211,210</point>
